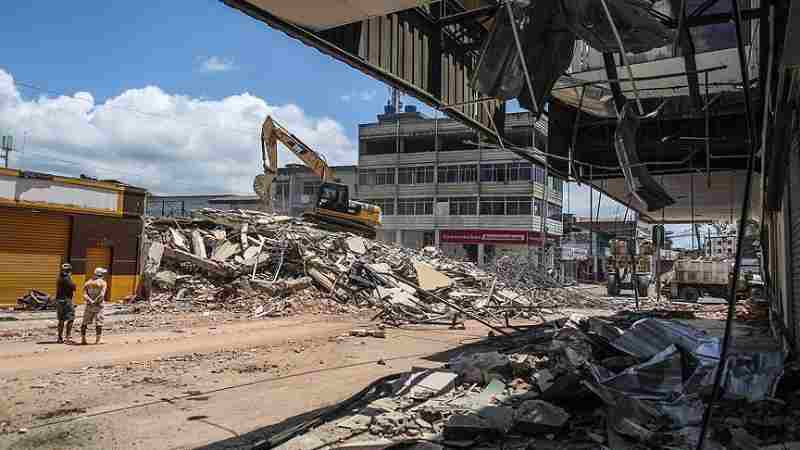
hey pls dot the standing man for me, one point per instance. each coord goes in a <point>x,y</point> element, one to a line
<point>65,310</point>
<point>94,294</point>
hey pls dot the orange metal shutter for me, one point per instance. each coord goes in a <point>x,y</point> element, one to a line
<point>32,247</point>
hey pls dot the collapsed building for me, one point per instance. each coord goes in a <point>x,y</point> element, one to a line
<point>681,110</point>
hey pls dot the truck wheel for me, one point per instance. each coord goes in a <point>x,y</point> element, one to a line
<point>613,290</point>
<point>690,294</point>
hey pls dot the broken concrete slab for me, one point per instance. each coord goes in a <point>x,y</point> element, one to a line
<point>544,379</point>
<point>430,279</point>
<point>198,245</point>
<point>500,417</point>
<point>537,416</point>
<point>356,422</point>
<point>467,427</point>
<point>178,239</point>
<point>433,385</point>
<point>207,265</point>
<point>224,250</point>
<point>165,279</point>
<point>357,245</point>
<point>377,444</point>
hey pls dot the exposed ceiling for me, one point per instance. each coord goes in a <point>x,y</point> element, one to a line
<point>720,202</point>
<point>322,15</point>
<point>430,50</point>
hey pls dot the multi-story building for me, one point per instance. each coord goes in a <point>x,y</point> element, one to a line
<point>722,246</point>
<point>294,191</point>
<point>437,184</point>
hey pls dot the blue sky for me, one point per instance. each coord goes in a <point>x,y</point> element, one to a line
<point>170,95</point>
<point>108,47</point>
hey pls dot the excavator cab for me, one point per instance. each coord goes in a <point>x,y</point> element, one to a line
<point>335,197</point>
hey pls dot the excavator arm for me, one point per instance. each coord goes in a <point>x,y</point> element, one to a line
<point>271,133</point>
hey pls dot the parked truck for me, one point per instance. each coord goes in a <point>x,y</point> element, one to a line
<point>694,278</point>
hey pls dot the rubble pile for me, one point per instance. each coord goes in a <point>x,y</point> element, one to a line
<point>273,265</point>
<point>583,383</point>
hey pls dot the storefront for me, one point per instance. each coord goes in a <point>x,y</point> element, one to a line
<point>484,246</point>
<point>46,221</point>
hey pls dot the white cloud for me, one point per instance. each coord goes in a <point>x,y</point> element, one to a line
<point>167,143</point>
<point>217,64</point>
<point>364,96</point>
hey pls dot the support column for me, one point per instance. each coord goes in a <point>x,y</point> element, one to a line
<point>481,255</point>
<point>398,237</point>
<point>436,238</point>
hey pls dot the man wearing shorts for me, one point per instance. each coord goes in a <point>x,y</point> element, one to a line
<point>94,293</point>
<point>65,310</point>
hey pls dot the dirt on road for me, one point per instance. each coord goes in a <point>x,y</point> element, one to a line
<point>195,382</point>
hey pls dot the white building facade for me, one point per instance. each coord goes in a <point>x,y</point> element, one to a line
<point>438,185</point>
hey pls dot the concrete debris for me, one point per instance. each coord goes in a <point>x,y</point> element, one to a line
<point>165,279</point>
<point>537,416</point>
<point>271,265</point>
<point>360,332</point>
<point>536,393</point>
<point>433,385</point>
<point>431,279</point>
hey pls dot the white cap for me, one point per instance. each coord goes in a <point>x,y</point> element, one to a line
<point>99,272</point>
<point>66,266</point>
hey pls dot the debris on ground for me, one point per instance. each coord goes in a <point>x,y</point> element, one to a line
<point>618,382</point>
<point>274,265</point>
<point>35,301</point>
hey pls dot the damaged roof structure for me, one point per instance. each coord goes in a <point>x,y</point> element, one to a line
<point>683,110</point>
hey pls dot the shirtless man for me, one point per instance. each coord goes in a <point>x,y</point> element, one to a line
<point>94,294</point>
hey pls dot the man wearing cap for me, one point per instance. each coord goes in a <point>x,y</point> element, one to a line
<point>65,311</point>
<point>94,293</point>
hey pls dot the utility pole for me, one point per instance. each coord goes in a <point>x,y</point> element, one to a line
<point>6,146</point>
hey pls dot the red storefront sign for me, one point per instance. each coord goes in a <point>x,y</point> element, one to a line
<point>520,237</point>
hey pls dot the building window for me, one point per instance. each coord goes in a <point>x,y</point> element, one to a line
<point>557,185</point>
<point>469,174</point>
<point>505,206</point>
<point>538,174</point>
<point>463,206</point>
<point>415,175</point>
<point>311,188</point>
<point>553,211</point>
<point>518,206</point>
<point>376,177</point>
<point>520,171</point>
<point>538,207</point>
<point>415,206</point>
<point>281,189</point>
<point>385,204</point>
<point>423,175</point>
<point>405,175</point>
<point>458,174</point>
<point>493,173</point>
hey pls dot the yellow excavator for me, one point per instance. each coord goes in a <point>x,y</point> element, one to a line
<point>334,210</point>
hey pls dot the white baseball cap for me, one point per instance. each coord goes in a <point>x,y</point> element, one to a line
<point>100,271</point>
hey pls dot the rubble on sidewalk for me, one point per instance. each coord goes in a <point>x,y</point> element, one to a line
<point>35,301</point>
<point>270,265</point>
<point>585,383</point>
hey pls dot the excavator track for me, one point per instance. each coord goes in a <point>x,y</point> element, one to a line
<point>340,225</point>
